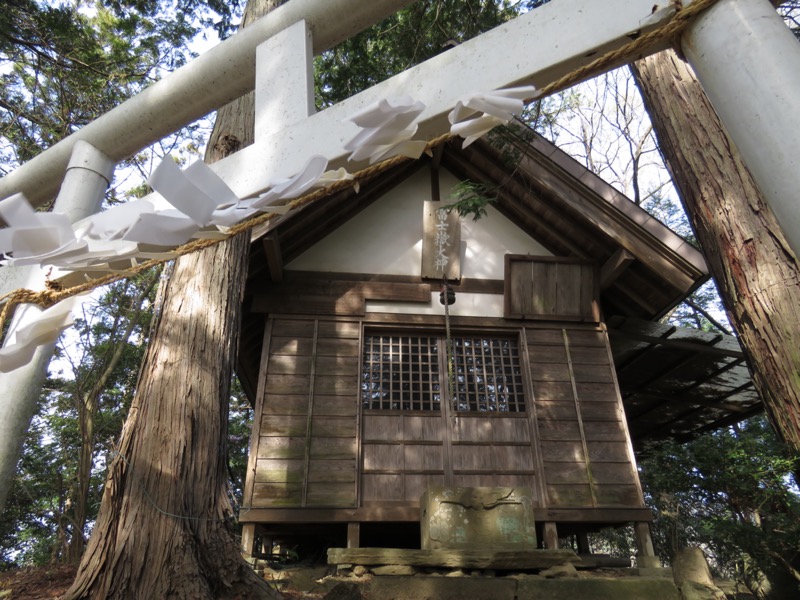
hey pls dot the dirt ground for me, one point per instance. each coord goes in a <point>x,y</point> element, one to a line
<point>40,583</point>
<point>46,583</point>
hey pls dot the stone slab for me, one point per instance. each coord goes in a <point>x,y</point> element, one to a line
<point>421,587</point>
<point>462,558</point>
<point>466,517</point>
<point>633,588</point>
<point>424,587</point>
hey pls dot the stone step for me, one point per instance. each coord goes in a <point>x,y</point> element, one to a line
<point>461,558</point>
<point>531,587</point>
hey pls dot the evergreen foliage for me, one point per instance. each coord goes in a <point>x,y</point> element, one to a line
<point>417,33</point>
<point>85,401</point>
<point>734,493</point>
<point>470,199</point>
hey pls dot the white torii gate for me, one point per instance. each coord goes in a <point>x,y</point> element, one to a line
<point>746,59</point>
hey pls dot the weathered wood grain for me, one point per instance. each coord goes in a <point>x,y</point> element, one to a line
<point>342,427</point>
<point>419,428</point>
<point>286,404</point>
<point>330,494</point>
<point>554,288</point>
<point>383,457</point>
<point>333,448</point>
<point>378,427</point>
<point>423,457</point>
<point>284,426</point>
<point>346,405</point>
<point>558,473</point>
<point>277,494</point>
<point>382,486</point>
<point>281,447</point>
<point>569,495</point>
<point>279,470</point>
<point>334,471</point>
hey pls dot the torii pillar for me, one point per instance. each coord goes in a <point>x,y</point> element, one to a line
<point>748,62</point>
<point>284,95</point>
<point>89,174</point>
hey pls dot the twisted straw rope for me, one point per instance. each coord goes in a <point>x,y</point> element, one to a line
<point>669,31</point>
<point>53,295</point>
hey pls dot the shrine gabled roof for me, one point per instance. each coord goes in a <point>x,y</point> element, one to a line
<point>678,382</point>
<point>645,268</point>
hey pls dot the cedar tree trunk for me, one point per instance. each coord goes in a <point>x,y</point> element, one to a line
<point>164,525</point>
<point>755,270</point>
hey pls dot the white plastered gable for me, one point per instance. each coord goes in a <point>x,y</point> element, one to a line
<point>386,237</point>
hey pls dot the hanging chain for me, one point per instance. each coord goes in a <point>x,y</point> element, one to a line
<point>451,371</point>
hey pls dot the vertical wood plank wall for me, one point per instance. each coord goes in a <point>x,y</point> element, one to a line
<point>492,451</point>
<point>317,447</point>
<point>406,453</point>
<point>403,455</point>
<point>307,448</point>
<point>585,449</point>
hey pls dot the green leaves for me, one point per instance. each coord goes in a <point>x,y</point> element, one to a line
<point>734,492</point>
<point>82,408</point>
<point>65,67</point>
<point>415,34</point>
<point>471,199</point>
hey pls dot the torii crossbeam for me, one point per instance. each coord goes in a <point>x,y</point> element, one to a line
<point>745,57</point>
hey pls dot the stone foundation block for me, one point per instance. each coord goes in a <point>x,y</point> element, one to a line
<point>475,517</point>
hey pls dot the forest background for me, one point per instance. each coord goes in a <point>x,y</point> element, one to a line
<point>64,64</point>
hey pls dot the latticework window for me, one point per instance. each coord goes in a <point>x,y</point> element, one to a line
<point>400,372</point>
<point>488,375</point>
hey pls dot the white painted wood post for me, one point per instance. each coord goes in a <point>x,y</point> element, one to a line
<point>748,62</point>
<point>88,175</point>
<point>284,80</point>
<point>216,77</point>
<point>284,96</point>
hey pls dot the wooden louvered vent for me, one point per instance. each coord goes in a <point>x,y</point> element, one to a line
<point>550,288</point>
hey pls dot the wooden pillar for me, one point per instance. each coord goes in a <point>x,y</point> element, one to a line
<point>248,539</point>
<point>550,535</point>
<point>583,543</point>
<point>353,535</point>
<point>646,554</point>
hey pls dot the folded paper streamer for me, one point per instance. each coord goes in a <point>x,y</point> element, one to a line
<point>196,203</point>
<point>387,128</point>
<point>330,177</point>
<point>284,189</point>
<point>43,329</point>
<point>31,234</point>
<point>496,108</point>
<point>199,204</point>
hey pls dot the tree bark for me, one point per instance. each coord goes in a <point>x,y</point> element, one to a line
<point>755,270</point>
<point>164,523</point>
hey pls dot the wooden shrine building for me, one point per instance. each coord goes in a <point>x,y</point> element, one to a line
<point>554,336</point>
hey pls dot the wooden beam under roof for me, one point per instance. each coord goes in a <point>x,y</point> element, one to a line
<point>696,384</point>
<point>272,250</point>
<point>614,267</point>
<point>693,400</point>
